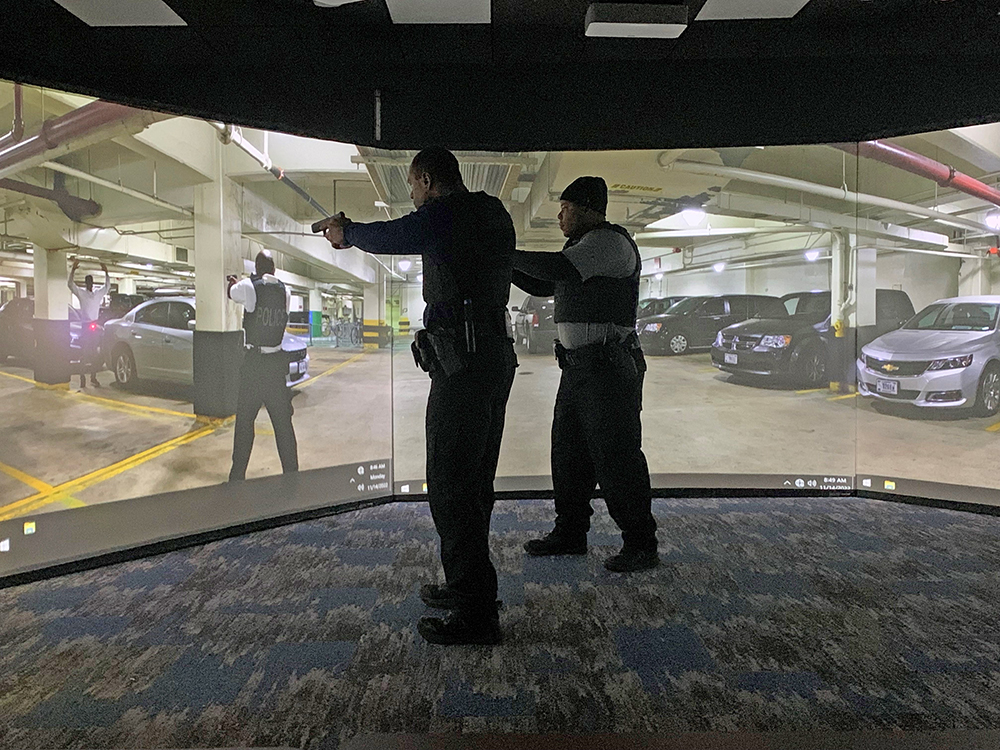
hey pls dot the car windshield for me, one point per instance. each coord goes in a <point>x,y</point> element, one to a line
<point>956,316</point>
<point>813,304</point>
<point>687,305</point>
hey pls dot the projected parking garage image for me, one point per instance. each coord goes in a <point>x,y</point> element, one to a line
<point>813,317</point>
<point>120,353</point>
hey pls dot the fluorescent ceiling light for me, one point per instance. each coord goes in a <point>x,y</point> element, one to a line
<point>636,20</point>
<point>439,11</point>
<point>693,216</point>
<point>123,12</point>
<point>741,10</point>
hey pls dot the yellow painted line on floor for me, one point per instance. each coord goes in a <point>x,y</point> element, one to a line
<point>331,370</point>
<point>17,377</point>
<point>841,398</point>
<point>811,390</point>
<point>38,485</point>
<point>42,499</point>
<point>993,427</point>
<point>116,404</point>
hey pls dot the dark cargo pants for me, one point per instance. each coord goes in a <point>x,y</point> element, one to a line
<point>597,440</point>
<point>464,424</point>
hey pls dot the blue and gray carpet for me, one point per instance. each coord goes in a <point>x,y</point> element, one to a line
<point>765,615</point>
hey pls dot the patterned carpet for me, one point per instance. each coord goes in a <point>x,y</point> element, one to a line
<point>767,614</point>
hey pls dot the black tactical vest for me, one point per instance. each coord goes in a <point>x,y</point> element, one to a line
<point>600,299</point>
<point>474,262</point>
<point>265,326</point>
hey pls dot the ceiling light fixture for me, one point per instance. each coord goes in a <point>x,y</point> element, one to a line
<point>404,265</point>
<point>333,3</point>
<point>742,10</point>
<point>812,255</point>
<point>719,267</point>
<point>693,216</point>
<point>993,221</point>
<point>636,20</point>
<point>123,12</point>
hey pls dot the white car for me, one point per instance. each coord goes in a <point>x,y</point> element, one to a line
<point>947,355</point>
<point>155,341</point>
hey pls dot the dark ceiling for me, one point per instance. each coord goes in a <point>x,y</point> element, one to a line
<point>840,70</point>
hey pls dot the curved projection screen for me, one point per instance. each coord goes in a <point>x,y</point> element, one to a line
<point>814,318</point>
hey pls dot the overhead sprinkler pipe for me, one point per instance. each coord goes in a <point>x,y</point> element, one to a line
<point>88,124</point>
<point>918,164</point>
<point>75,208</point>
<point>232,134</point>
<point>17,128</point>
<point>813,188</point>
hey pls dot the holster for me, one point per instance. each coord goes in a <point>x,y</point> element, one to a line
<point>423,352</point>
<point>437,352</point>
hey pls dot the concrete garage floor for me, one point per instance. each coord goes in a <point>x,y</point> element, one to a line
<point>64,449</point>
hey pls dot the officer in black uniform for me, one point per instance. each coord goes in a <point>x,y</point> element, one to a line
<point>596,431</point>
<point>265,303</point>
<point>467,242</point>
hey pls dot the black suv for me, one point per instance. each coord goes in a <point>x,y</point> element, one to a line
<point>694,322</point>
<point>796,346</point>
<point>656,305</point>
<point>17,331</point>
<point>534,324</point>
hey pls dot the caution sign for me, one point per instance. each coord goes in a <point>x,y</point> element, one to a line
<point>621,187</point>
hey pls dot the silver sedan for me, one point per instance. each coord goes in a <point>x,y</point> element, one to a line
<point>155,341</point>
<point>947,355</point>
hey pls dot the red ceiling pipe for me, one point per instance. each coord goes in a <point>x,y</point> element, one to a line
<point>17,129</point>
<point>60,130</point>
<point>943,174</point>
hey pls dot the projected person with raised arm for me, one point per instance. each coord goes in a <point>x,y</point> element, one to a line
<point>90,309</point>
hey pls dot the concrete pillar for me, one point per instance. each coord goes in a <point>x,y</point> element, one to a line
<point>865,287</point>
<point>218,338</point>
<point>374,309</point>
<point>974,277</point>
<point>315,313</point>
<point>51,323</point>
<point>126,285</point>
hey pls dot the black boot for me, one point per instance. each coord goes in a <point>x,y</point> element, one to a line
<point>461,627</point>
<point>631,560</point>
<point>439,597</point>
<point>557,543</point>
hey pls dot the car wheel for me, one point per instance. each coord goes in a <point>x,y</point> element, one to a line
<point>988,393</point>
<point>124,366</point>
<point>677,344</point>
<point>810,367</point>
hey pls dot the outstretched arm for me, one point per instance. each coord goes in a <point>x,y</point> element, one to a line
<point>69,279</point>
<point>546,266</point>
<point>531,285</point>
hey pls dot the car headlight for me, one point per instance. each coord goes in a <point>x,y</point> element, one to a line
<point>953,363</point>
<point>653,327</point>
<point>718,339</point>
<point>775,342</point>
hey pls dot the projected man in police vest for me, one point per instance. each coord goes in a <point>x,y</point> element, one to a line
<point>265,303</point>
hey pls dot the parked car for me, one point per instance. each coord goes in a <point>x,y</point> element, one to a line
<point>155,341</point>
<point>797,347</point>
<point>656,305</point>
<point>534,324</point>
<point>119,305</point>
<point>694,323</point>
<point>17,331</point>
<point>947,355</point>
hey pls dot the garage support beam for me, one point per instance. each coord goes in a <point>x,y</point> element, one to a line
<point>51,324</point>
<point>974,277</point>
<point>374,310</point>
<point>218,340</point>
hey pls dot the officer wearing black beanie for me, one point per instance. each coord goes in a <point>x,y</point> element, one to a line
<point>596,431</point>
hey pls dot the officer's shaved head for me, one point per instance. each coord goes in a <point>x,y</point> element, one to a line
<point>264,262</point>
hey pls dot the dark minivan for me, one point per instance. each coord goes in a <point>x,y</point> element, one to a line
<point>534,324</point>
<point>693,323</point>
<point>796,346</point>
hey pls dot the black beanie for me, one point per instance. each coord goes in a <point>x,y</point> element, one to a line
<point>588,192</point>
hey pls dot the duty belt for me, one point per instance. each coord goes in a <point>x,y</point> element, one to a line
<point>591,354</point>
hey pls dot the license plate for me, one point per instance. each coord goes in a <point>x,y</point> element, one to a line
<point>890,387</point>
<point>731,359</point>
